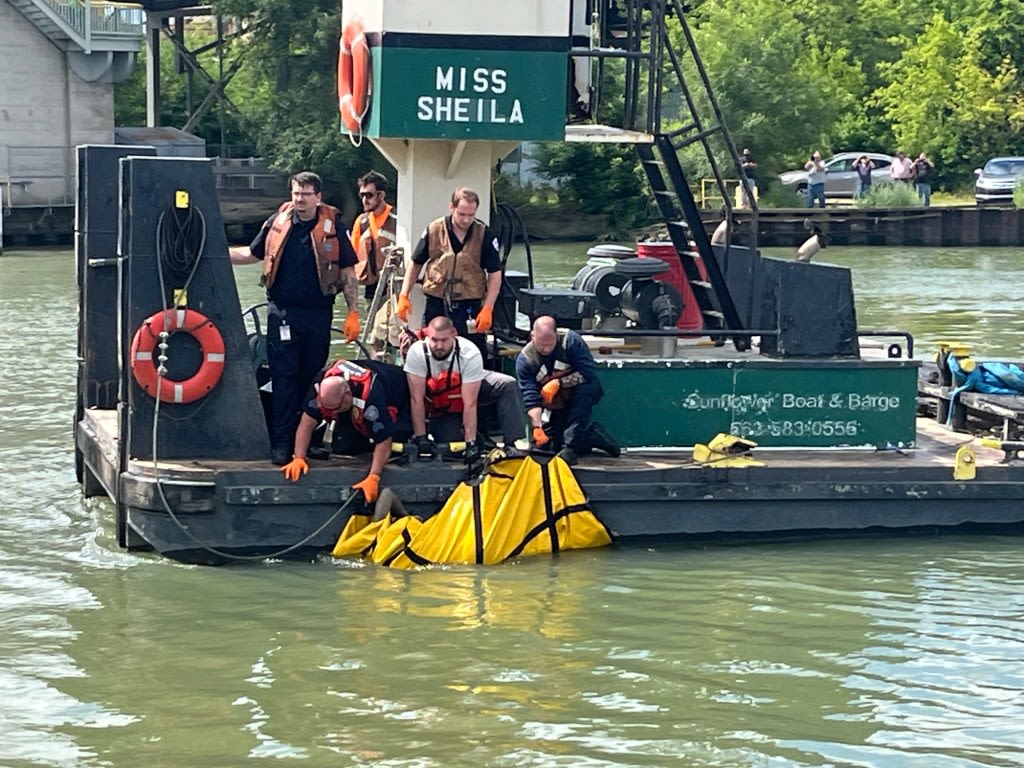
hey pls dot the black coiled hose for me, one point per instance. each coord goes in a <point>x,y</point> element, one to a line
<point>508,226</point>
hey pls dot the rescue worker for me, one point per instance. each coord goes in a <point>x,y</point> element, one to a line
<point>557,373</point>
<point>375,397</point>
<point>447,386</point>
<point>462,278</point>
<point>305,265</point>
<point>373,230</point>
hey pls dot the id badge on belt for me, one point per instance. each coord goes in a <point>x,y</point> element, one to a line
<point>285,332</point>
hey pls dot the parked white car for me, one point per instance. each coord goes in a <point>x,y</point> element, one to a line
<point>840,178</point>
<point>996,181</point>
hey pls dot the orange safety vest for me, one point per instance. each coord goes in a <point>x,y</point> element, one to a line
<point>369,238</point>
<point>455,276</point>
<point>326,247</point>
<point>444,389</point>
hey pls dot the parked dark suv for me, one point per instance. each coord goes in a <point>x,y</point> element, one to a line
<point>996,181</point>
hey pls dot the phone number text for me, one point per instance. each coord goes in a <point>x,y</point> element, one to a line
<point>799,428</point>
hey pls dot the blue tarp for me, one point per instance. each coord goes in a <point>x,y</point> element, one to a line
<point>990,377</point>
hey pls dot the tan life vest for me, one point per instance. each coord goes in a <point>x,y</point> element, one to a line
<point>326,247</point>
<point>457,277</point>
<point>370,240</point>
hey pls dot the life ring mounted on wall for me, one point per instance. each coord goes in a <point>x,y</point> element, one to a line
<point>353,75</point>
<point>144,365</point>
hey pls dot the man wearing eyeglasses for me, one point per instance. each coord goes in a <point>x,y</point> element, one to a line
<point>306,263</point>
<point>374,230</point>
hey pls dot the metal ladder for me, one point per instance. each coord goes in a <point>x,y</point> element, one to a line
<point>678,207</point>
<point>657,68</point>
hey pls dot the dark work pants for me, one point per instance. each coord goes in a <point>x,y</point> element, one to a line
<point>499,393</point>
<point>294,364</point>
<point>570,426</point>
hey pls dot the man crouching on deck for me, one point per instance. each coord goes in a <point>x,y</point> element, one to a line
<point>557,372</point>
<point>376,398</point>
<point>447,385</point>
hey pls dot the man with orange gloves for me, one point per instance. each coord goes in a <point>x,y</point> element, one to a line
<point>462,269</point>
<point>307,260</point>
<point>557,373</point>
<point>375,398</point>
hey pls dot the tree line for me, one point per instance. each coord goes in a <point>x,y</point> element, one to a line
<point>941,76</point>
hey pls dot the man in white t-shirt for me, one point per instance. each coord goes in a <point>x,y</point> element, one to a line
<point>901,167</point>
<point>448,384</point>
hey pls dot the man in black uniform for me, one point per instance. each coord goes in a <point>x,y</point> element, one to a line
<point>307,260</point>
<point>462,269</point>
<point>375,397</point>
<point>557,373</point>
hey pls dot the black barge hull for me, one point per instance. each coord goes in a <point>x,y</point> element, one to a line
<point>191,478</point>
<point>214,512</point>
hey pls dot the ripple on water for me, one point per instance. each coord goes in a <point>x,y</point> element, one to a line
<point>881,652</point>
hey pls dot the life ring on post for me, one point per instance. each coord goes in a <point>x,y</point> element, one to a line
<point>144,365</point>
<point>353,75</point>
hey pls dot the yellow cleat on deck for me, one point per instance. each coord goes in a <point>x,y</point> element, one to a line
<point>965,466</point>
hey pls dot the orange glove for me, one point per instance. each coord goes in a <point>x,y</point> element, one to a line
<point>404,307</point>
<point>352,326</point>
<point>369,485</point>
<point>540,437</point>
<point>295,469</point>
<point>484,319</point>
<point>549,390</point>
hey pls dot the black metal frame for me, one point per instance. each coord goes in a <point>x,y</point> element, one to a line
<point>649,55</point>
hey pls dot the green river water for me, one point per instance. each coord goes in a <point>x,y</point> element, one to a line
<point>868,651</point>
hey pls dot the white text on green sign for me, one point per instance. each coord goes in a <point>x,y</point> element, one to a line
<point>481,85</point>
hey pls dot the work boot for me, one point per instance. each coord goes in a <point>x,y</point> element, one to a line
<point>568,455</point>
<point>318,452</point>
<point>281,455</point>
<point>603,441</point>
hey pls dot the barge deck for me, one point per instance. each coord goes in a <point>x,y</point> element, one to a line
<point>216,511</point>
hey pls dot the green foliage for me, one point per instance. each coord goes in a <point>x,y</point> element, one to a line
<point>289,92</point>
<point>942,100</point>
<point>778,95</point>
<point>284,90</point>
<point>601,178</point>
<point>221,128</point>
<point>1018,194</point>
<point>780,196</point>
<point>507,189</point>
<point>889,194</point>
<point>941,76</point>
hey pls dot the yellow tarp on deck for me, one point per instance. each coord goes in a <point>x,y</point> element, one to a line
<point>521,507</point>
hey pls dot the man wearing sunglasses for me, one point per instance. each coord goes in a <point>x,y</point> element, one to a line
<point>373,230</point>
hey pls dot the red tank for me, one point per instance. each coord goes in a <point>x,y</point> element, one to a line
<point>691,318</point>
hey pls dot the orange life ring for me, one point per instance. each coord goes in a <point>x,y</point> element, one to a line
<point>353,75</point>
<point>144,366</point>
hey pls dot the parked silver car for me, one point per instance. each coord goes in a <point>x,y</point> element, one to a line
<point>840,178</point>
<point>996,181</point>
